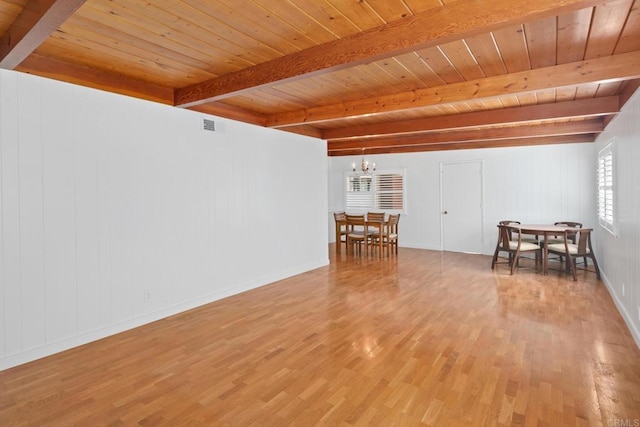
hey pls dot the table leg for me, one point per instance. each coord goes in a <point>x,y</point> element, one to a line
<point>545,256</point>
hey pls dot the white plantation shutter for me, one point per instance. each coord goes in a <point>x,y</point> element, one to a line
<point>605,187</point>
<point>359,192</point>
<point>383,190</point>
<point>389,191</point>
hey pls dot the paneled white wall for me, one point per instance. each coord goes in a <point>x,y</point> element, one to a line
<point>619,253</point>
<point>539,184</point>
<point>116,212</point>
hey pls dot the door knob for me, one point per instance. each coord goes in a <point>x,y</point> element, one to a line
<point>445,212</point>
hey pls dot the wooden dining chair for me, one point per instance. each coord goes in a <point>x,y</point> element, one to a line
<point>389,235</point>
<point>560,239</point>
<point>341,229</point>
<point>510,241</point>
<point>499,242</point>
<point>514,222</point>
<point>357,233</point>
<point>375,225</point>
<point>579,247</point>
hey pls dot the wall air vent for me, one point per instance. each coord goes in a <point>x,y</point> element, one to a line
<point>209,125</point>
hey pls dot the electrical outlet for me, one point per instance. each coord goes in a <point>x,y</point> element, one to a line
<point>623,289</point>
<point>147,296</point>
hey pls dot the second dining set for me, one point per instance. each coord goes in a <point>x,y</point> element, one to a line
<point>568,240</point>
<point>367,233</point>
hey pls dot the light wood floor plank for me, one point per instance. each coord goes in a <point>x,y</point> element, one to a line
<point>422,338</point>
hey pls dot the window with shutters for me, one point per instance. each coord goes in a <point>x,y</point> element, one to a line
<point>605,188</point>
<point>380,191</point>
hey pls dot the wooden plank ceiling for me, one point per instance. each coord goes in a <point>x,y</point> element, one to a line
<point>382,75</point>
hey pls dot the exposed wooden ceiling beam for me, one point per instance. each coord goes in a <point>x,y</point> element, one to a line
<point>521,115</point>
<point>38,20</point>
<point>545,140</point>
<point>630,88</point>
<point>306,130</point>
<point>548,129</point>
<point>230,112</point>
<point>625,66</point>
<point>440,25</point>
<point>97,79</point>
<point>246,116</point>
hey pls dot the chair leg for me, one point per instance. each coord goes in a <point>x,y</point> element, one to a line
<point>351,246</point>
<point>495,258</point>
<point>514,263</point>
<point>595,264</point>
<point>572,265</point>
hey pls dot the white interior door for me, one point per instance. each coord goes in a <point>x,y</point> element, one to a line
<point>461,206</point>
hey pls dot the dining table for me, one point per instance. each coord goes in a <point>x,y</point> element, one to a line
<point>376,226</point>
<point>544,230</point>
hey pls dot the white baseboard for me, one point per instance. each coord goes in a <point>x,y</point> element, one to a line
<point>628,319</point>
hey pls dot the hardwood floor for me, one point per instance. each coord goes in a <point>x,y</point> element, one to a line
<point>424,338</point>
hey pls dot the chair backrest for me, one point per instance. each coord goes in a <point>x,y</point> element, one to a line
<point>584,241</point>
<point>509,222</point>
<point>339,216</point>
<point>572,237</point>
<point>569,224</point>
<point>392,223</point>
<point>505,235</point>
<point>375,216</point>
<point>354,219</point>
<point>353,216</point>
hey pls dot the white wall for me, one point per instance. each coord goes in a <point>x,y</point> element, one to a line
<point>619,253</point>
<point>116,212</point>
<point>538,184</point>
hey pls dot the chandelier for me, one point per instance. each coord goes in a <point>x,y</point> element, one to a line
<point>364,165</point>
